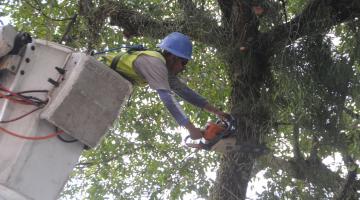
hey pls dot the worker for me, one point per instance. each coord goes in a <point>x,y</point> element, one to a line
<point>159,70</point>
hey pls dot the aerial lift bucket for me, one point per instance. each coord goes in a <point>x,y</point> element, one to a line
<point>83,97</point>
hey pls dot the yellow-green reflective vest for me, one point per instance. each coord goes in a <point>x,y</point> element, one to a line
<point>123,63</point>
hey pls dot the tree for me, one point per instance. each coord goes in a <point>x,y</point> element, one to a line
<point>271,63</point>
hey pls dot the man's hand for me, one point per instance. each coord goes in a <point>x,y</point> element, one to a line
<point>223,115</point>
<point>220,114</point>
<point>195,133</point>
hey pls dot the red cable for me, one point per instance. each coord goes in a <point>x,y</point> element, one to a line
<point>31,137</point>
<point>20,99</point>
<point>20,117</point>
<point>15,94</point>
<point>13,99</point>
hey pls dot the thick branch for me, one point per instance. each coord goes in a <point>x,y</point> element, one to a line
<point>349,189</point>
<point>315,172</point>
<point>188,6</point>
<point>317,17</point>
<point>198,24</point>
<point>95,19</point>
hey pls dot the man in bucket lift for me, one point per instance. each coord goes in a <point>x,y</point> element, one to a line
<point>159,70</point>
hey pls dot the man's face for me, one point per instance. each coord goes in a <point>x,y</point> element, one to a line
<point>176,64</point>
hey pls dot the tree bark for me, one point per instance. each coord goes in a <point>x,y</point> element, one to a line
<point>248,70</point>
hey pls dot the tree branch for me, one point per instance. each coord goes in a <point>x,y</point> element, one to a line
<point>351,113</point>
<point>95,19</point>
<point>314,149</point>
<point>283,4</point>
<point>315,172</point>
<point>296,148</point>
<point>226,9</point>
<point>197,23</point>
<point>317,17</point>
<point>200,25</point>
<point>188,6</point>
<point>97,161</point>
<point>350,187</point>
<point>39,9</point>
<point>65,36</point>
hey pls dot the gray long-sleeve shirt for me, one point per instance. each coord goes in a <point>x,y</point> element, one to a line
<point>155,72</point>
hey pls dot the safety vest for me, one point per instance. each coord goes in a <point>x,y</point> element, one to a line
<point>123,63</point>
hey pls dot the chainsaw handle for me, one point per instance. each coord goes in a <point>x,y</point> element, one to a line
<point>192,145</point>
<point>186,139</point>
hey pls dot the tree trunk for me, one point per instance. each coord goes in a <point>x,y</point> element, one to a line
<point>249,73</point>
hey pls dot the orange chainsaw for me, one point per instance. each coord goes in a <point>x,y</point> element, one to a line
<point>213,133</point>
<point>220,137</point>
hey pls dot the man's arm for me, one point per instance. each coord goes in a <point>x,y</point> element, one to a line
<point>194,98</point>
<point>174,108</point>
<point>186,93</point>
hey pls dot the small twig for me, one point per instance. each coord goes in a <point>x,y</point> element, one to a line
<point>107,160</point>
<point>351,113</point>
<point>297,152</point>
<point>46,16</point>
<point>283,3</point>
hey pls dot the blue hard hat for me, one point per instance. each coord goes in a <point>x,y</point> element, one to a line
<point>177,44</point>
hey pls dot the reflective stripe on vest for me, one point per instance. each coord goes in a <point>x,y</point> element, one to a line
<point>124,64</point>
